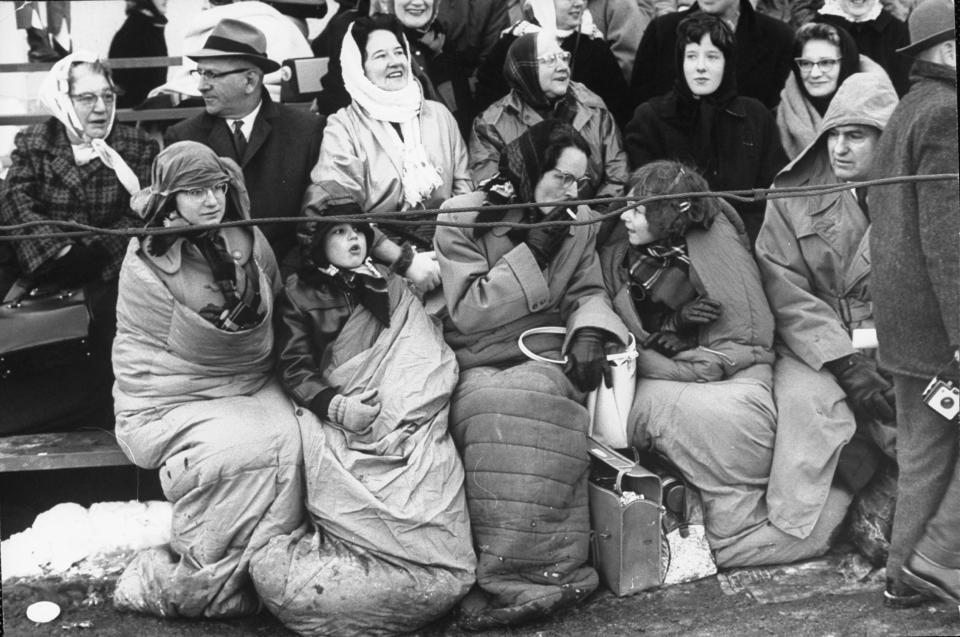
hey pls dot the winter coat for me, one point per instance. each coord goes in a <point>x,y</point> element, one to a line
<point>764,56</point>
<point>495,290</point>
<point>622,24</point>
<point>507,118</point>
<point>360,154</point>
<point>276,165</point>
<point>140,37</point>
<point>744,151</point>
<point>879,40</point>
<point>915,228</point>
<point>813,251</point>
<point>591,63</point>
<point>44,182</point>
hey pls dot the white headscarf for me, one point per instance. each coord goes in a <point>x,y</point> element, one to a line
<point>544,16</point>
<point>419,177</point>
<point>55,96</point>
<point>834,7</point>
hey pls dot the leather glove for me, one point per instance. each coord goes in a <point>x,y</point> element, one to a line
<point>544,243</point>
<point>587,364</point>
<point>354,413</point>
<point>81,264</point>
<point>699,311</point>
<point>668,343</point>
<point>869,393</point>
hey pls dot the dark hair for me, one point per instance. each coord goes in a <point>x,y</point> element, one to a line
<point>561,137</point>
<point>363,27</point>
<point>93,67</point>
<point>692,29</point>
<point>674,217</point>
<point>816,31</point>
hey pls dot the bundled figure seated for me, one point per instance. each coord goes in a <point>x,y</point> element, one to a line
<point>683,280</point>
<point>520,424</point>
<point>387,547</point>
<point>195,395</point>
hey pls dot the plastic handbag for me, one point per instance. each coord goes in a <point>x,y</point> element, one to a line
<point>609,407</point>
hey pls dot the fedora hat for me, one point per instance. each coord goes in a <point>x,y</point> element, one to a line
<point>236,38</point>
<point>931,22</point>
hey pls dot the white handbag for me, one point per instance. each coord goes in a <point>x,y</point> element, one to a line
<point>609,407</point>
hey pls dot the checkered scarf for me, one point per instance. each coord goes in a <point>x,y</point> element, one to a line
<point>521,71</point>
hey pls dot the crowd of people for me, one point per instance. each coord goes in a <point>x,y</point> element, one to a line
<point>339,409</point>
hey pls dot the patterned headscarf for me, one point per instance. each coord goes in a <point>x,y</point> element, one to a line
<point>521,70</point>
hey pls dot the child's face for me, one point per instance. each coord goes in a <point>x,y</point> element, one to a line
<point>345,247</point>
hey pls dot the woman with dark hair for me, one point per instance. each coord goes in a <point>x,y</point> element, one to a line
<point>538,73</point>
<point>195,395</point>
<point>79,165</point>
<point>390,148</point>
<point>732,140</point>
<point>824,57</point>
<point>683,280</point>
<point>507,411</point>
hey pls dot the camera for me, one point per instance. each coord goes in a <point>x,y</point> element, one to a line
<point>943,397</point>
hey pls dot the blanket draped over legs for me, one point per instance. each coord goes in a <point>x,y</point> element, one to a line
<point>388,546</point>
<point>522,434</point>
<point>232,469</point>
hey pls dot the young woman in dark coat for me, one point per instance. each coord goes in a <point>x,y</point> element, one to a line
<point>732,140</point>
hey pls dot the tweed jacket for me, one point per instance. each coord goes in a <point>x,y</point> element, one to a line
<point>916,254</point>
<point>764,56</point>
<point>44,182</point>
<point>282,148</point>
<point>509,117</point>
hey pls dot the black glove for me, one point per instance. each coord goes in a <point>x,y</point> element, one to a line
<point>544,243</point>
<point>699,311</point>
<point>869,393</point>
<point>668,343</point>
<point>587,364</point>
<point>81,264</point>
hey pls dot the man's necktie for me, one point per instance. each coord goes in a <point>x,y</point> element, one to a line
<point>862,200</point>
<point>239,141</point>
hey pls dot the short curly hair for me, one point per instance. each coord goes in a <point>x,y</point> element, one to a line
<point>673,218</point>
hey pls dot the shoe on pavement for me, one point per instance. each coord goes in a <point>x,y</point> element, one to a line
<point>925,575</point>
<point>899,595</point>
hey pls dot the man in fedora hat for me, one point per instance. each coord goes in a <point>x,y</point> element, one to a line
<point>274,144</point>
<point>916,294</point>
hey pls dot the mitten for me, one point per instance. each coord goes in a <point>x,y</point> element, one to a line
<point>545,242</point>
<point>699,311</point>
<point>354,413</point>
<point>81,264</point>
<point>869,393</point>
<point>587,364</point>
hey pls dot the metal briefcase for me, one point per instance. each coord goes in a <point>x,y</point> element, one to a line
<point>626,516</point>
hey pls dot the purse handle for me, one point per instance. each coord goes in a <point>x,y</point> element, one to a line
<point>615,359</point>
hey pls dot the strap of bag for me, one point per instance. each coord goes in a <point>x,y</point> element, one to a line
<point>615,359</point>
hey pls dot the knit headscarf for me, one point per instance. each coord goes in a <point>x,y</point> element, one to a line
<point>54,95</point>
<point>521,71</point>
<point>834,7</point>
<point>419,177</point>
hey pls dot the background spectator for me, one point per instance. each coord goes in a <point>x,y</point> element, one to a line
<point>141,36</point>
<point>622,24</point>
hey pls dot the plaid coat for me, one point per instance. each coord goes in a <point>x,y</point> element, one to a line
<point>45,182</point>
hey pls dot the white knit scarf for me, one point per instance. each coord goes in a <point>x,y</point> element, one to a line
<point>833,7</point>
<point>55,96</point>
<point>419,178</point>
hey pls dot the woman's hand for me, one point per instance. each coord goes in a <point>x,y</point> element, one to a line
<point>587,365</point>
<point>668,343</point>
<point>700,311</point>
<point>78,265</point>
<point>354,413</point>
<point>545,242</point>
<point>424,271</point>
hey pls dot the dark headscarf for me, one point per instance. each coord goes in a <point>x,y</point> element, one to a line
<point>849,62</point>
<point>521,71</point>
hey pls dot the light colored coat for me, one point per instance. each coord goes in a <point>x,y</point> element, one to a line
<point>495,290</point>
<point>509,117</point>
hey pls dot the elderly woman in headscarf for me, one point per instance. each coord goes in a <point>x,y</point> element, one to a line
<point>390,148</point>
<point>682,278</point>
<point>507,411</point>
<point>195,396</point>
<point>732,140</point>
<point>77,166</point>
<point>590,60</point>
<point>538,73</point>
<point>824,56</point>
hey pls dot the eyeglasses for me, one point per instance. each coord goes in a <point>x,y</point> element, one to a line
<point>826,65</point>
<point>89,100</point>
<point>552,59</point>
<point>568,180</point>
<point>209,76</point>
<point>199,194</point>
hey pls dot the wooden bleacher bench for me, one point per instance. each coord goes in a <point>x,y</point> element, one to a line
<point>69,450</point>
